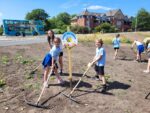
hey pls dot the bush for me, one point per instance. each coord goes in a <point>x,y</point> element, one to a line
<point>106,28</point>
<point>1,31</point>
<point>79,29</point>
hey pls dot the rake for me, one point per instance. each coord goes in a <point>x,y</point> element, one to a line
<point>43,89</point>
<point>70,94</point>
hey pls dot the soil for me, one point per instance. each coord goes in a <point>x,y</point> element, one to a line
<point>127,84</point>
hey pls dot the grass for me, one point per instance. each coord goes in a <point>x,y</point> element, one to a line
<point>107,38</point>
<point>5,59</point>
<point>20,59</point>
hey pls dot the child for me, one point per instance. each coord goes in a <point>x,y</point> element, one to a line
<point>148,54</point>
<point>140,49</point>
<point>50,39</point>
<point>99,61</point>
<point>116,44</point>
<point>50,60</point>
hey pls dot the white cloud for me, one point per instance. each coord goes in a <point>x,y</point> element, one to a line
<point>96,7</point>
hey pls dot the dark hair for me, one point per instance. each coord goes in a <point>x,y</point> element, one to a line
<point>117,35</point>
<point>49,38</point>
<point>57,39</point>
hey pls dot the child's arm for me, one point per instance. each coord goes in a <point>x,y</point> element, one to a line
<point>133,44</point>
<point>53,62</point>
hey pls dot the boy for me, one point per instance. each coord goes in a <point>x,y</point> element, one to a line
<point>99,60</point>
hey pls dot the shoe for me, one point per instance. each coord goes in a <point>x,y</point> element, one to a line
<point>103,90</point>
<point>60,82</point>
<point>53,73</point>
<point>45,84</point>
<point>60,72</point>
<point>146,71</point>
<point>96,78</point>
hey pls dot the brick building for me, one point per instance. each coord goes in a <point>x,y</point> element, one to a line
<point>91,19</point>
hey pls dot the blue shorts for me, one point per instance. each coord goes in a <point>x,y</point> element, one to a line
<point>47,61</point>
<point>140,48</point>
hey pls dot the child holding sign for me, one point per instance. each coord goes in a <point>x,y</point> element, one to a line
<point>99,61</point>
<point>50,60</point>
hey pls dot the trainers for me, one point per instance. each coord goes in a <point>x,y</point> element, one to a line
<point>146,71</point>
<point>96,78</point>
<point>60,81</point>
<point>61,72</point>
<point>104,87</point>
<point>45,84</point>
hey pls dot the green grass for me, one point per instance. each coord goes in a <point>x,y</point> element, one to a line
<point>5,59</point>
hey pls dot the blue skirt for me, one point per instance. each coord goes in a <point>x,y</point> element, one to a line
<point>47,61</point>
<point>140,48</point>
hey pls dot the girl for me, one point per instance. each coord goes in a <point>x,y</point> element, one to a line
<point>140,49</point>
<point>116,44</point>
<point>99,61</point>
<point>148,54</point>
<point>50,39</point>
<point>50,60</point>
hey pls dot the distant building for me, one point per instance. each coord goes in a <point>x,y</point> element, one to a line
<point>91,19</point>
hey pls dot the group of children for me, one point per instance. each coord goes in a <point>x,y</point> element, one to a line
<point>55,54</point>
<point>140,49</point>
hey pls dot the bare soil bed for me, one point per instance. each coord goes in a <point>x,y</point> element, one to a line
<point>127,84</point>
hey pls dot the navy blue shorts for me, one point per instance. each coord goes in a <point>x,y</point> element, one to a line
<point>140,48</point>
<point>99,70</point>
<point>47,61</point>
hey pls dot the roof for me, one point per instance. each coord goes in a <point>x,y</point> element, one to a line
<point>112,12</point>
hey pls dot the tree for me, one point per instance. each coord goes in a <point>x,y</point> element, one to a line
<point>37,14</point>
<point>106,28</point>
<point>64,17</point>
<point>142,20</point>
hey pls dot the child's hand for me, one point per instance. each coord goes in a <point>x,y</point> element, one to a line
<point>90,64</point>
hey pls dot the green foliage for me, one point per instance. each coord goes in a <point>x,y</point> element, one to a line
<point>64,17</point>
<point>1,31</point>
<point>126,40</point>
<point>79,29</point>
<point>142,20</point>
<point>106,28</point>
<point>23,61</point>
<point>5,59</point>
<point>37,14</point>
<point>2,82</point>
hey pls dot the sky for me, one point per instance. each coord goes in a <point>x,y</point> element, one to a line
<point>17,9</point>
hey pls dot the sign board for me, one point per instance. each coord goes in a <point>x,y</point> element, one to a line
<point>69,39</point>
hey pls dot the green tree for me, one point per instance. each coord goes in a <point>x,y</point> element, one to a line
<point>1,30</point>
<point>142,20</point>
<point>106,28</point>
<point>37,14</point>
<point>64,18</point>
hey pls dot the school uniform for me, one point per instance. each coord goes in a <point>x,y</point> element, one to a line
<point>140,47</point>
<point>116,43</point>
<point>99,66</point>
<point>54,53</point>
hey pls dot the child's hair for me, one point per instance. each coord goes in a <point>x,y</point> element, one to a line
<point>57,39</point>
<point>49,38</point>
<point>117,35</point>
<point>100,41</point>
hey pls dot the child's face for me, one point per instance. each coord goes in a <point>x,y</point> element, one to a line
<point>56,43</point>
<point>50,33</point>
<point>97,44</point>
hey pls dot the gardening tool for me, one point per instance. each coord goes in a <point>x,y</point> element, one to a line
<point>69,95</point>
<point>147,95</point>
<point>43,89</point>
<point>33,71</point>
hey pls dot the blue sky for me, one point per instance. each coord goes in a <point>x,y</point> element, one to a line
<point>17,9</point>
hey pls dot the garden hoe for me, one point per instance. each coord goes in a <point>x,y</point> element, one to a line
<point>69,95</point>
<point>43,89</point>
<point>33,71</point>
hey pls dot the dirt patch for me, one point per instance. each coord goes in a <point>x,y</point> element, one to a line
<point>127,84</point>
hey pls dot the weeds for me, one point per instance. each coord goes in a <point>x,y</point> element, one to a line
<point>5,59</point>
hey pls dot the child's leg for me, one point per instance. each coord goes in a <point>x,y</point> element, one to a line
<point>61,63</point>
<point>116,52</point>
<point>46,72</point>
<point>103,79</point>
<point>57,74</point>
<point>148,65</point>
